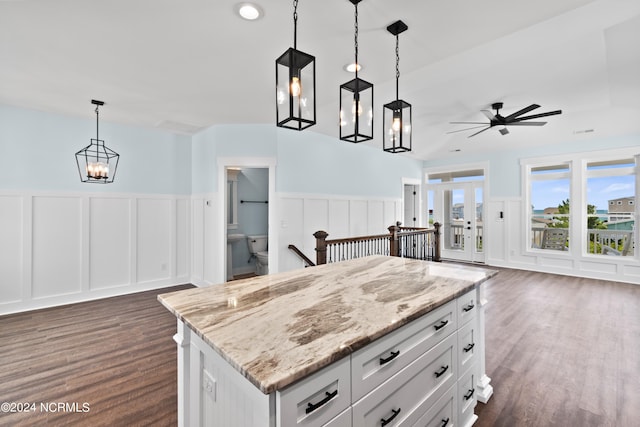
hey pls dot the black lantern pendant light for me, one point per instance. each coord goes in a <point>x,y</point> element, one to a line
<point>396,115</point>
<point>295,85</point>
<point>96,162</point>
<point>356,102</point>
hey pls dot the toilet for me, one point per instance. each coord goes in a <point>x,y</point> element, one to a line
<point>258,249</point>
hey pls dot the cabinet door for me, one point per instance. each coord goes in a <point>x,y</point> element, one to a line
<point>467,398</point>
<point>467,307</point>
<point>467,347</point>
<point>407,395</point>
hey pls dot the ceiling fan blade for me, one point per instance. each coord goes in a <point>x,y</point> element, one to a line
<point>521,112</point>
<point>488,127</point>
<point>527,123</point>
<point>469,123</point>
<point>489,115</point>
<point>535,116</point>
<point>473,127</point>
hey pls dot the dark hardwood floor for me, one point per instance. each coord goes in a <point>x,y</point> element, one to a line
<point>562,351</point>
<point>117,355</point>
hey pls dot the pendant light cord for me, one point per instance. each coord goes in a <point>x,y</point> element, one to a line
<point>295,24</point>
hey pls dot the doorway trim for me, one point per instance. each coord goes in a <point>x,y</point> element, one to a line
<point>220,263</point>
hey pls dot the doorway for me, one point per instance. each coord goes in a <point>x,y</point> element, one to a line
<point>457,203</point>
<point>230,216</point>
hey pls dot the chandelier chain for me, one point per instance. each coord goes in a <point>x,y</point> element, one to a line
<point>295,23</point>
<point>97,124</point>
<point>356,38</point>
<point>397,64</point>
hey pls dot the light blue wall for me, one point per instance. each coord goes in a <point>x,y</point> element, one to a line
<point>37,152</point>
<point>504,167</point>
<point>307,162</point>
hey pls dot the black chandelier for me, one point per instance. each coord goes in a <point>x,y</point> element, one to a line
<point>396,115</point>
<point>96,162</point>
<point>295,85</point>
<point>356,102</point>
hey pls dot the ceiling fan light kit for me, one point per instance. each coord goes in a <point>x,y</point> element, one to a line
<point>515,119</point>
<point>396,115</point>
<point>295,85</point>
<point>356,102</point>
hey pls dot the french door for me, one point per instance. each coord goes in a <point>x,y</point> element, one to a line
<point>458,207</point>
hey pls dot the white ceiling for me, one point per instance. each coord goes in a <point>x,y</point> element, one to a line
<point>186,65</point>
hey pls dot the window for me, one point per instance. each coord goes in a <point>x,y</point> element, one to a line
<point>549,190</point>
<point>610,211</point>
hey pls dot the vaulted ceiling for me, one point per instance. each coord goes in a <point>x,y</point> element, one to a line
<point>185,65</point>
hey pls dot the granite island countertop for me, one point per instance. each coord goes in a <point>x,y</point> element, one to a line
<point>279,328</point>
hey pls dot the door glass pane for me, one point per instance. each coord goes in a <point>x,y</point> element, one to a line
<point>479,224</point>
<point>454,219</point>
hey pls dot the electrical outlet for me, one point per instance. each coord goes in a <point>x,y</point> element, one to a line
<point>209,384</point>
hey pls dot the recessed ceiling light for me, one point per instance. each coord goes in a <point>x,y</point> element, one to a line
<point>351,68</point>
<point>249,11</point>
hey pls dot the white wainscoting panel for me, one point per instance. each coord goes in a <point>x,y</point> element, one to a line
<point>292,233</point>
<point>62,248</point>
<point>153,239</point>
<point>375,218</point>
<point>110,242</point>
<point>11,248</point>
<point>57,246</point>
<point>197,239</point>
<point>302,215</point>
<point>358,218</point>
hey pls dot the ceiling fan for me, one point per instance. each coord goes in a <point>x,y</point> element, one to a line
<point>515,119</point>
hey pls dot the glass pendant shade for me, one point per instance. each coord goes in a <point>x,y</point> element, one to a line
<point>295,90</point>
<point>96,162</point>
<point>356,111</point>
<point>396,117</point>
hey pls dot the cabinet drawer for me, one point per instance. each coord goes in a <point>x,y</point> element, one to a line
<point>442,413</point>
<point>412,391</point>
<point>467,307</point>
<point>467,347</point>
<point>317,399</point>
<point>467,398</point>
<point>342,420</point>
<point>377,362</point>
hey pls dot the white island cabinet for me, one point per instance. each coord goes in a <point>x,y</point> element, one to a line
<point>376,341</point>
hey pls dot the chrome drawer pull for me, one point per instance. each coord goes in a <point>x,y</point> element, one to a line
<point>468,308</point>
<point>468,348</point>
<point>442,324</point>
<point>394,354</point>
<point>313,406</point>
<point>469,394</point>
<point>384,422</point>
<point>441,371</point>
<point>445,422</point>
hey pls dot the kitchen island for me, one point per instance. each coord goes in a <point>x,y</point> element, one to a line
<point>383,339</point>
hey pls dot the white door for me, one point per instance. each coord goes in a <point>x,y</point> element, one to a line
<point>410,205</point>
<point>458,207</point>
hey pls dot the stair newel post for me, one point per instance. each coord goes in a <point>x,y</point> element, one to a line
<point>436,242</point>
<point>321,246</point>
<point>393,241</point>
